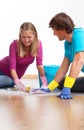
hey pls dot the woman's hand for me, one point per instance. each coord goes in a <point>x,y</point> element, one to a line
<point>40,91</point>
<point>19,84</point>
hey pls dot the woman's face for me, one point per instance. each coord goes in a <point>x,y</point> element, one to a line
<point>27,37</point>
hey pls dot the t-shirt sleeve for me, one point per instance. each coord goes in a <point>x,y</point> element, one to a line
<point>79,41</point>
<point>39,57</point>
<point>12,55</point>
<point>77,44</point>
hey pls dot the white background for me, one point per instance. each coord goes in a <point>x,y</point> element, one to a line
<point>14,12</point>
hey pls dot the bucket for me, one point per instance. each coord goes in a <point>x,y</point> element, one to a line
<point>50,72</point>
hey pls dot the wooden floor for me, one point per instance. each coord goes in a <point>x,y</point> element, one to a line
<point>19,112</point>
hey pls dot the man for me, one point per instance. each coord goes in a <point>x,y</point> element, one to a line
<point>63,27</point>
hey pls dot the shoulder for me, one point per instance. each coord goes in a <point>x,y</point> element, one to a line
<point>78,34</point>
<point>78,31</point>
<point>14,42</point>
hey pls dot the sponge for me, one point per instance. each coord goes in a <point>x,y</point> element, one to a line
<point>27,89</point>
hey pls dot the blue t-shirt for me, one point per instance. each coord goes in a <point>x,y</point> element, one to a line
<point>77,44</point>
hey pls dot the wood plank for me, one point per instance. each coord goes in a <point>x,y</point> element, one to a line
<point>30,76</point>
<point>41,113</point>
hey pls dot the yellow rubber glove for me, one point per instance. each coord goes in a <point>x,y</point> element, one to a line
<point>66,91</point>
<point>27,89</point>
<point>53,85</point>
<point>69,82</point>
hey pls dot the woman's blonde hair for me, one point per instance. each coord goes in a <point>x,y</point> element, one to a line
<point>34,46</point>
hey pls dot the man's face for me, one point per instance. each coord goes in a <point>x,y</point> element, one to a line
<point>59,33</point>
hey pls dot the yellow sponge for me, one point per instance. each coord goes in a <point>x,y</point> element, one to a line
<point>27,89</point>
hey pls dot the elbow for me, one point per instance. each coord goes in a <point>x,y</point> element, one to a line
<point>80,62</point>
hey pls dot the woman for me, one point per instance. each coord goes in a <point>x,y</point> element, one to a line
<point>22,53</point>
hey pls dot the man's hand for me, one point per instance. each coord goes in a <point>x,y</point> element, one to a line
<point>68,84</point>
<point>65,94</point>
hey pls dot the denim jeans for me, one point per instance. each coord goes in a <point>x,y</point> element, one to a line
<point>6,81</point>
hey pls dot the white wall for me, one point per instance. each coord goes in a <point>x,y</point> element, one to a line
<point>14,12</point>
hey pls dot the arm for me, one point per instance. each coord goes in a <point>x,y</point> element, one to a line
<point>62,70</point>
<point>39,64</point>
<point>75,69</point>
<point>60,74</point>
<point>14,74</point>
<point>41,70</point>
<point>12,63</point>
<point>12,59</point>
<point>17,81</point>
<point>42,75</point>
<point>77,65</point>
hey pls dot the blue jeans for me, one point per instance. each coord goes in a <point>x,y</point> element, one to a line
<point>6,81</point>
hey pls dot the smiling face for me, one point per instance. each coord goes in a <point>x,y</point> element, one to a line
<point>27,37</point>
<point>27,34</point>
